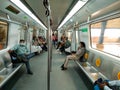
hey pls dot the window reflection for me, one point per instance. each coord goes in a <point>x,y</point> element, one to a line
<point>3,34</point>
<point>105,36</point>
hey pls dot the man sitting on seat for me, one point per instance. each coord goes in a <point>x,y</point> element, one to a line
<point>21,51</point>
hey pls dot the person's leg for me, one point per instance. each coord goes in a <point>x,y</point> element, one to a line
<point>114,82</point>
<point>58,45</point>
<point>26,61</point>
<point>54,43</point>
<point>69,57</point>
<point>29,56</point>
<point>28,67</point>
<point>62,49</point>
<point>46,48</point>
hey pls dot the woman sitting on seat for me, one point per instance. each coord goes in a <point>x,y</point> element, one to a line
<point>74,55</point>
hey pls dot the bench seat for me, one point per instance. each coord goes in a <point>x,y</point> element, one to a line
<point>6,68</point>
<point>92,73</point>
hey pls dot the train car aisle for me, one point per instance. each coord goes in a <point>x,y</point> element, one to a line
<point>60,80</point>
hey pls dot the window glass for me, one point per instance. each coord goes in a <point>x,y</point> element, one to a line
<point>77,41</point>
<point>69,35</point>
<point>3,34</point>
<point>105,36</point>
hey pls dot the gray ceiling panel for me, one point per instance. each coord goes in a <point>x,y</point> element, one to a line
<point>59,9</point>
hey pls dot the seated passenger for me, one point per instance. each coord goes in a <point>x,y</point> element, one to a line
<point>107,85</point>
<point>65,45</point>
<point>75,55</point>
<point>36,46</point>
<point>43,44</point>
<point>21,51</point>
<point>61,42</point>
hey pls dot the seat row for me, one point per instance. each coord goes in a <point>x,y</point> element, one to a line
<point>90,70</point>
<point>6,69</point>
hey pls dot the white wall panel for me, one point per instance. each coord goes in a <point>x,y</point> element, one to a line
<point>14,34</point>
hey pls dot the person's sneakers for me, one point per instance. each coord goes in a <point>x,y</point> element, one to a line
<point>57,50</point>
<point>64,68</point>
<point>60,52</point>
<point>30,72</point>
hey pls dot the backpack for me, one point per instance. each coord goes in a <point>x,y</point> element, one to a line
<point>14,57</point>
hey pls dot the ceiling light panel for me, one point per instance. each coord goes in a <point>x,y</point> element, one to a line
<point>27,11</point>
<point>77,7</point>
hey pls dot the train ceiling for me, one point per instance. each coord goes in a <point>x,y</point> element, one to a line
<point>59,9</point>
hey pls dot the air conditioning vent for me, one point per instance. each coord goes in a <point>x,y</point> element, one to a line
<point>12,9</point>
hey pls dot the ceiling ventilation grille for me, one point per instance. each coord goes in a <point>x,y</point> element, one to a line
<point>12,9</point>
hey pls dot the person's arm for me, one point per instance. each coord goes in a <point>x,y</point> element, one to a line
<point>114,82</point>
<point>15,47</point>
<point>107,88</point>
<point>104,86</point>
<point>78,48</point>
<point>9,51</point>
<point>78,52</point>
<point>27,50</point>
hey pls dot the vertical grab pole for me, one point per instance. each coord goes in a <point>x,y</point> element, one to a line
<point>49,53</point>
<point>49,50</point>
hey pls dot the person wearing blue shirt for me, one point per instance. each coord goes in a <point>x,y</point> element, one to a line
<point>107,85</point>
<point>22,52</point>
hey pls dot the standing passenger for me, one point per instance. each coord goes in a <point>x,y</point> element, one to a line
<point>53,39</point>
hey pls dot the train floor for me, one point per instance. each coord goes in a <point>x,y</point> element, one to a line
<point>70,79</point>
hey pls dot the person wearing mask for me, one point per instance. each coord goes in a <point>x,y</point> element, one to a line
<point>75,55</point>
<point>22,52</point>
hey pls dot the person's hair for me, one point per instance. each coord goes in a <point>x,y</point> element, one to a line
<point>66,38</point>
<point>21,40</point>
<point>83,44</point>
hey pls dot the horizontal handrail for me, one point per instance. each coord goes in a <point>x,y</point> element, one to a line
<point>7,77</point>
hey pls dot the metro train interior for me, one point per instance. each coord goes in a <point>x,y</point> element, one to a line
<point>94,22</point>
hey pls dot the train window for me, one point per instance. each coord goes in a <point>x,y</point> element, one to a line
<point>105,36</point>
<point>77,41</point>
<point>3,34</point>
<point>69,35</point>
